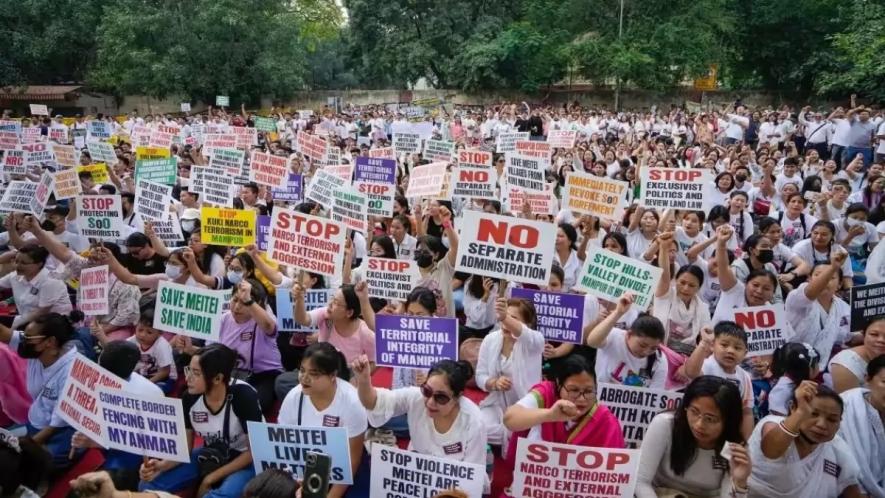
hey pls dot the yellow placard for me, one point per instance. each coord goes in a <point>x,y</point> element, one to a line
<point>227,227</point>
<point>142,153</point>
<point>708,82</point>
<point>99,171</point>
<point>69,121</point>
<point>121,119</point>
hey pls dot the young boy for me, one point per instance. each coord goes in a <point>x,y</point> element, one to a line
<point>156,362</point>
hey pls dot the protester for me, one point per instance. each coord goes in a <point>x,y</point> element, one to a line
<point>863,428</point>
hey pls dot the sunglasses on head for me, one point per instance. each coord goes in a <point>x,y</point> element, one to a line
<point>438,398</point>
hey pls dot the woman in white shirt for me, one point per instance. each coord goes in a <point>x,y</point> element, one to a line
<point>759,289</point>
<point>325,398</point>
<point>796,224</point>
<point>863,428</point>
<point>479,305</point>
<point>681,449</point>
<point>403,241</point>
<point>677,303</point>
<point>858,237</point>
<point>566,255</point>
<point>820,246</point>
<point>848,367</point>
<point>642,230</point>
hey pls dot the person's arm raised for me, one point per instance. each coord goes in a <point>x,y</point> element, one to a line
<point>452,234</point>
<point>362,292</point>
<point>362,369</point>
<point>272,274</point>
<point>596,338</point>
<point>299,310</point>
<point>58,250</point>
<point>727,279</point>
<point>778,439</point>
<point>819,283</point>
<point>665,241</point>
<point>264,320</point>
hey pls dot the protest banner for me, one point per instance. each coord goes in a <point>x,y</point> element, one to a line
<point>634,407</point>
<point>427,180</point>
<point>264,124</point>
<point>263,231</point>
<point>66,155</point>
<point>190,311</point>
<point>406,143</point>
<point>31,135</point>
<point>391,279</point>
<point>268,169</point>
<point>332,157</point>
<point>100,217</point>
<point>161,139</point>
<point>150,426</point>
<point>439,150</point>
<point>539,203</point>
<point>400,473</point>
<point>505,247</point>
<point>150,153</point>
<point>168,230</point>
<point>414,342</point>
<point>14,162</point>
<point>228,160</point>
<point>140,137</point>
<point>382,153</point>
<point>322,186</point>
<point>556,469</point>
<point>285,447</point>
<point>525,173</point>
<point>11,125</point>
<point>306,242</point>
<point>99,172</point>
<point>227,227</point>
<point>311,146</point>
<point>185,107</point>
<point>292,192</point>
<point>766,328</point>
<point>560,315</point>
<point>78,401</point>
<point>375,170</point>
<point>157,170</point>
<point>17,198</point>
<point>245,138</point>
<point>44,190</point>
<point>39,154</point>
<point>867,301</point>
<point>474,158</point>
<point>152,200</point>
<point>215,141</point>
<point>67,184</point>
<point>92,299</point>
<point>213,186</point>
<point>474,183</point>
<point>59,135</point>
<point>350,207</point>
<point>102,152</point>
<point>8,140</point>
<point>380,197</point>
<point>343,171</point>
<point>305,114</point>
<point>562,139</point>
<point>595,195</point>
<point>313,299</point>
<point>506,142</point>
<point>676,188</point>
<point>39,110</point>
<point>222,100</point>
<point>536,149</point>
<point>608,275</point>
<point>98,130</point>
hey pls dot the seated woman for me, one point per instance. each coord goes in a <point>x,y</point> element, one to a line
<point>800,455</point>
<point>849,367</point>
<point>862,428</point>
<point>707,421</point>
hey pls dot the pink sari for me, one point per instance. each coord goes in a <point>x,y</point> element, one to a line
<point>597,428</point>
<point>14,397</point>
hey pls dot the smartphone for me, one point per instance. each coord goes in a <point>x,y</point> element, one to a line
<point>316,476</point>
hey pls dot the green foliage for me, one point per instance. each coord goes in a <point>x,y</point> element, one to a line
<point>859,55</point>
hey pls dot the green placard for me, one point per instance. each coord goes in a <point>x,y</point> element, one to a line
<point>157,170</point>
<point>222,100</point>
<point>265,124</point>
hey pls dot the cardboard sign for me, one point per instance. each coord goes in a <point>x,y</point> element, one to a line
<point>39,154</point>
<point>161,139</point>
<point>306,242</point>
<point>264,124</point>
<point>293,192</point>
<point>505,247</point>
<point>506,142</point>
<point>634,407</point>
<point>157,170</point>
<point>100,217</point>
<point>350,207</point>
<point>525,173</point>
<point>414,342</point>
<point>99,172</point>
<point>867,301</point>
<point>185,107</point>
<point>322,187</point>
<point>78,401</point>
<point>39,110</point>
<point>66,155</point>
<point>14,162</point>
<point>228,160</point>
<point>17,198</point>
<point>168,230</point>
<point>213,186</point>
<point>401,473</point>
<point>380,197</point>
<point>311,146</point>
<point>439,150</point>
<point>150,153</point>
<point>560,316</point>
<point>383,153</point>
<point>11,125</point>
<point>215,141</point>
<point>313,299</point>
<point>44,190</point>
<point>406,143</point>
<point>474,183</point>
<point>595,195</point>
<point>285,447</point>
<point>474,158</point>
<point>150,426</point>
<point>59,135</point>
<point>578,471</point>
<point>427,180</point>
<point>8,140</point>
<point>390,279</point>
<point>375,170</point>
<point>343,171</point>
<point>222,100</point>
<point>152,200</point>
<point>677,188</point>
<point>268,169</point>
<point>67,184</point>
<point>31,135</point>
<point>538,150</point>
<point>190,311</point>
<point>765,326</point>
<point>227,227</point>
<point>263,232</point>
<point>562,139</point>
<point>102,152</point>
<point>79,136</point>
<point>609,275</point>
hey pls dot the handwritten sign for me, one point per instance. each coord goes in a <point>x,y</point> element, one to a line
<point>285,447</point>
<point>525,172</point>
<point>401,473</point>
<point>765,327</point>
<point>306,242</point>
<point>78,404</point>
<point>268,169</point>
<point>227,227</point>
<point>595,195</point>
<point>634,407</point>
<point>190,311</point>
<point>609,275</point>
<point>415,342</point>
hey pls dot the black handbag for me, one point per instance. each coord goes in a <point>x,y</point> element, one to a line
<point>217,454</point>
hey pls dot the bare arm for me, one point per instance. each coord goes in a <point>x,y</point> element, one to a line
<point>300,311</point>
<point>776,441</point>
<point>367,393</point>
<point>195,271</point>
<point>596,338</point>
<point>727,279</point>
<point>273,275</point>
<point>819,283</point>
<point>664,241</point>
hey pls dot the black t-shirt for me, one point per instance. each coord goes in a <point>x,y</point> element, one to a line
<point>210,425</point>
<point>522,125</point>
<point>156,264</point>
<point>536,126</point>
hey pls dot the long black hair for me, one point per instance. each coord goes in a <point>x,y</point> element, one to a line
<point>327,360</point>
<point>217,359</point>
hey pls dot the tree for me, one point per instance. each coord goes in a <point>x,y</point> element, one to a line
<point>859,55</point>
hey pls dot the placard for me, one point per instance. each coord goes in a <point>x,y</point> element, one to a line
<point>676,188</point>
<point>151,153</point>
<point>293,192</point>
<point>285,447</point>
<point>100,217</point>
<point>264,124</point>
<point>406,143</point>
<point>151,426</point>
<point>505,247</point>
<point>574,471</point>
<point>867,301</point>
<point>390,279</point>
<point>474,158</point>
<point>67,184</point>
<point>414,341</point>
<point>66,155</point>
<point>401,473</point>
<point>383,153</point>
<point>190,311</point>
<point>427,180</point>
<point>560,315</point>
<point>78,401</point>
<point>268,169</point>
<point>634,407</point>
<point>766,328</point>
<point>39,110</point>
<point>263,232</point>
<point>215,141</point>
<point>608,275</point>
<point>39,154</point>
<point>536,149</point>
<point>595,195</point>
<point>506,142</point>
<point>350,207</point>
<point>161,139</point>
<point>213,186</point>
<point>99,172</point>
<point>539,203</point>
<point>525,173</point>
<point>102,152</point>
<point>44,190</point>
<point>313,299</point>
<point>380,197</point>
<point>8,140</point>
<point>439,150</point>
<point>306,242</point>
<point>322,186</point>
<point>17,198</point>
<point>562,139</point>
<point>375,170</point>
<point>311,146</point>
<point>168,230</point>
<point>31,135</point>
<point>222,100</point>
<point>157,170</point>
<point>59,135</point>
<point>343,171</point>
<point>14,162</point>
<point>228,160</point>
<point>227,227</point>
<point>185,107</point>
<point>474,183</point>
<point>152,200</point>
<point>11,125</point>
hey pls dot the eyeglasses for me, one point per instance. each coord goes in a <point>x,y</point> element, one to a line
<point>695,414</point>
<point>438,398</point>
<point>576,392</point>
<point>189,373</point>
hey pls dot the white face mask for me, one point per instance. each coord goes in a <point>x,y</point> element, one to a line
<point>188,225</point>
<point>851,222</point>
<point>235,277</point>
<point>173,272</point>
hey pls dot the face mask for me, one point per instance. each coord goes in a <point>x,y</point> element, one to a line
<point>853,222</point>
<point>741,178</point>
<point>47,226</point>
<point>173,272</point>
<point>188,226</point>
<point>766,255</point>
<point>235,277</point>
<point>27,350</point>
<point>423,258</point>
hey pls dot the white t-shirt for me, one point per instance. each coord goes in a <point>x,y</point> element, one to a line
<point>780,395</point>
<point>615,364</point>
<point>796,230</point>
<point>812,256</point>
<point>812,324</point>
<point>736,297</point>
<point>740,378</point>
<point>158,356</point>
<point>637,244</point>
<point>684,242</point>
<point>344,411</point>
<point>210,425</point>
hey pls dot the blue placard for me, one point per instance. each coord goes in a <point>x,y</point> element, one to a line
<point>313,299</point>
<point>414,341</point>
<point>285,447</point>
<point>376,170</point>
<point>293,192</point>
